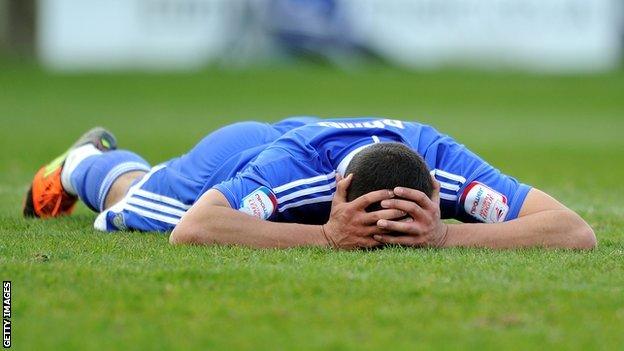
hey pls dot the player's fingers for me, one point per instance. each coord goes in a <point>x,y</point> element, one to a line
<point>409,207</point>
<point>435,196</point>
<point>368,243</point>
<point>404,240</point>
<point>410,228</point>
<point>342,185</point>
<point>371,230</point>
<point>417,196</point>
<point>366,200</point>
<point>374,217</point>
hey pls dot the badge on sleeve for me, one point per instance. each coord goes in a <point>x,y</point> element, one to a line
<point>261,203</point>
<point>484,203</point>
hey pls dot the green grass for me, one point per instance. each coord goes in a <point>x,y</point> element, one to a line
<point>74,288</point>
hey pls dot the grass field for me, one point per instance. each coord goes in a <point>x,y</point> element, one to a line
<point>76,289</point>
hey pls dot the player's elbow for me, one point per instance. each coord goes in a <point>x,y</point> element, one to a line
<point>586,238</point>
<point>188,233</point>
<point>181,235</point>
<point>582,236</point>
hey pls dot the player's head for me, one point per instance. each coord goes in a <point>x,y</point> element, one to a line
<point>386,166</point>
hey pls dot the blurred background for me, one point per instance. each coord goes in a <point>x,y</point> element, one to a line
<point>534,35</point>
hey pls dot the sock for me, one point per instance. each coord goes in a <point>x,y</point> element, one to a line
<point>74,158</point>
<point>93,176</point>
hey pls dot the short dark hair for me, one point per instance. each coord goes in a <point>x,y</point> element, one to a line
<point>387,166</point>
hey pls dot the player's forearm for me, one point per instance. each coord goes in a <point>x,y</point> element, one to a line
<point>549,229</point>
<point>219,225</point>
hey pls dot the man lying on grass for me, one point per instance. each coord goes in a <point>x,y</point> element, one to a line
<point>342,183</point>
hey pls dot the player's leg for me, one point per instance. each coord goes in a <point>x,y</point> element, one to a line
<point>159,199</point>
<point>86,171</point>
<point>120,187</point>
<point>92,178</point>
<point>215,154</point>
<point>101,177</point>
<point>226,145</point>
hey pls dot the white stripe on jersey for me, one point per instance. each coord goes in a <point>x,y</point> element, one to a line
<point>300,182</point>
<point>100,221</point>
<point>161,198</point>
<point>447,175</point>
<point>449,186</point>
<point>156,207</point>
<point>326,198</point>
<point>152,215</point>
<point>304,192</point>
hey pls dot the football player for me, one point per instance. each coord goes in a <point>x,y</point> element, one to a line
<point>343,183</point>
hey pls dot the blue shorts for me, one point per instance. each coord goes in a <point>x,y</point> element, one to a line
<point>158,200</point>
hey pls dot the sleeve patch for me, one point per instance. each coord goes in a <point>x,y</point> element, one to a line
<point>484,203</point>
<point>261,203</point>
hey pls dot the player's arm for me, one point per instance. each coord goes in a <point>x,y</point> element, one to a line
<point>542,222</point>
<point>212,221</point>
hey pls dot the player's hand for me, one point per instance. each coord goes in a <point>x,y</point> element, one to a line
<point>425,227</point>
<point>349,225</point>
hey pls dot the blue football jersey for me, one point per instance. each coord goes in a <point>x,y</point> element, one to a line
<point>293,179</point>
<point>158,200</point>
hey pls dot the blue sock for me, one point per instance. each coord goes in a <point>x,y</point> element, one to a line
<point>94,176</point>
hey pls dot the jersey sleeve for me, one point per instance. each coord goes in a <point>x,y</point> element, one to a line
<point>471,189</point>
<point>267,186</point>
